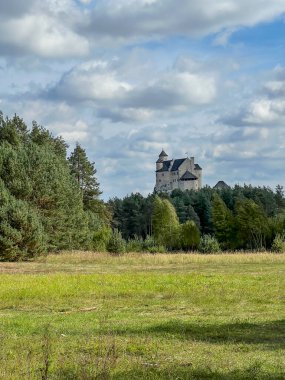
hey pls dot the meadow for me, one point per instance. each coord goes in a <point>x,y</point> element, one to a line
<point>84,315</point>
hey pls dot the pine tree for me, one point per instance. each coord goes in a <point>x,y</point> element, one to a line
<point>45,204</point>
<point>223,221</point>
<point>84,172</point>
<point>22,234</point>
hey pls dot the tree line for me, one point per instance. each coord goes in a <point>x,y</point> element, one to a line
<point>50,201</point>
<point>238,218</point>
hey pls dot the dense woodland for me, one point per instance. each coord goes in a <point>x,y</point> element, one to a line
<point>50,202</point>
<point>243,217</point>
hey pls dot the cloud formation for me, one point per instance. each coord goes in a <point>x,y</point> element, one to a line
<point>131,19</point>
<point>66,28</point>
<point>126,78</point>
<point>118,98</point>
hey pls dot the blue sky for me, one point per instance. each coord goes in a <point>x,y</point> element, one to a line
<point>126,78</point>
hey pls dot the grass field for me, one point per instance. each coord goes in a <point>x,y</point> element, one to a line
<point>181,316</point>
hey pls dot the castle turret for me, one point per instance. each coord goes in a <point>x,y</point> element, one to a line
<point>162,157</point>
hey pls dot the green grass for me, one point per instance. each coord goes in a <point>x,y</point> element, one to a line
<point>95,316</point>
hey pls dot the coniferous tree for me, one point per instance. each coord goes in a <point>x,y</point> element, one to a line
<point>223,222</point>
<point>84,172</point>
<point>22,234</point>
<point>45,204</point>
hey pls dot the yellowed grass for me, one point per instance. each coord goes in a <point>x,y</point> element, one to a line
<point>162,258</point>
<point>100,262</point>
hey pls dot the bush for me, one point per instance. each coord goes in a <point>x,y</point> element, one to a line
<point>116,244</point>
<point>278,244</point>
<point>135,244</point>
<point>156,249</point>
<point>189,235</point>
<point>101,238</point>
<point>209,244</point>
<point>150,245</point>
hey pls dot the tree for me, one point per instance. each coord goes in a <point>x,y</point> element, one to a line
<point>252,224</point>
<point>202,206</point>
<point>189,235</point>
<point>45,207</point>
<point>223,221</point>
<point>84,173</point>
<point>22,234</point>
<point>165,223</point>
<point>279,197</point>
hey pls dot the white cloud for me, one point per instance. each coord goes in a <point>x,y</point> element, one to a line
<point>44,28</point>
<point>60,28</point>
<point>132,19</point>
<point>92,82</point>
<point>43,36</point>
<point>119,98</point>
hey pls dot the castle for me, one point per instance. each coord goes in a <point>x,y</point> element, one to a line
<point>181,173</point>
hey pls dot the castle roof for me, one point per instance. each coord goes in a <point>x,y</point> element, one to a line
<point>221,185</point>
<point>177,163</point>
<point>165,166</point>
<point>188,176</point>
<point>163,154</point>
<point>175,166</point>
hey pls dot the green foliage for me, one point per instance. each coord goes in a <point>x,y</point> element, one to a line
<point>132,215</point>
<point>189,236</point>
<point>223,221</point>
<point>37,180</point>
<point>213,211</point>
<point>116,243</point>
<point>252,224</point>
<point>84,173</point>
<point>165,223</point>
<point>209,244</point>
<point>21,231</point>
<point>150,245</point>
<point>135,245</point>
<point>101,238</point>
<point>278,244</point>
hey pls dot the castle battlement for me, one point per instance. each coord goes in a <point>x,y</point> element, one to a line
<point>181,173</point>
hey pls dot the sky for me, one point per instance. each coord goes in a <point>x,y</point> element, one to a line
<point>128,78</point>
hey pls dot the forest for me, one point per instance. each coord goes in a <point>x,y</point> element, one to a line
<point>50,202</point>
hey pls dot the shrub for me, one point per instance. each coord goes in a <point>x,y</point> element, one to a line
<point>156,249</point>
<point>101,238</point>
<point>209,244</point>
<point>135,245</point>
<point>150,245</point>
<point>116,244</point>
<point>278,244</point>
<point>189,235</point>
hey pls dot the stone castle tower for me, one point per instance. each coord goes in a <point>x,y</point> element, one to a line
<point>181,173</point>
